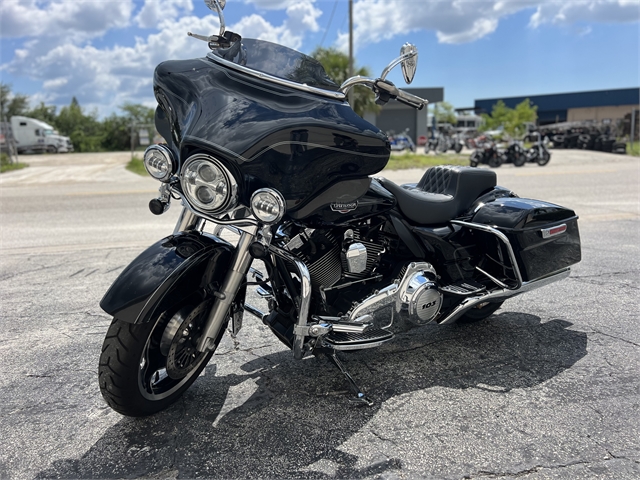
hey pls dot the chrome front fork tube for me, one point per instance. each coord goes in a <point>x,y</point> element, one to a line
<point>224,298</point>
<point>188,221</point>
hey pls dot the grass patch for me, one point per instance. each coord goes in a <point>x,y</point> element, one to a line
<point>633,149</point>
<point>412,160</point>
<point>7,166</point>
<point>136,165</point>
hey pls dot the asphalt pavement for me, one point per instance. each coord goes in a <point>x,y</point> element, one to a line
<point>548,387</point>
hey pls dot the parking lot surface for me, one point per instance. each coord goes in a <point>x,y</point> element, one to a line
<point>548,387</point>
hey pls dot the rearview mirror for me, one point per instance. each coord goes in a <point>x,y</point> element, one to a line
<point>211,4</point>
<point>409,53</point>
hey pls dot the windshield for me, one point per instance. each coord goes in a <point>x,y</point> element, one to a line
<point>48,132</point>
<point>279,61</point>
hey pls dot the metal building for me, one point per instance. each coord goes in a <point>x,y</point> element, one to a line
<point>395,116</point>
<point>597,106</point>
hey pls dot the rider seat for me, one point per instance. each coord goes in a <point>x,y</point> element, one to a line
<point>443,193</point>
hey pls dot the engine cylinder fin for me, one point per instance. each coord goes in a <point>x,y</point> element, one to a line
<point>326,271</point>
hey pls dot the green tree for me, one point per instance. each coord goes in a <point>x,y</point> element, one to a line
<point>336,64</point>
<point>444,113</point>
<point>138,114</point>
<point>524,113</point>
<point>46,113</point>
<point>513,120</point>
<point>84,129</point>
<point>116,133</point>
<point>11,104</point>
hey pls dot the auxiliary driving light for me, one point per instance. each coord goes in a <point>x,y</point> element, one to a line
<point>158,160</point>
<point>267,205</point>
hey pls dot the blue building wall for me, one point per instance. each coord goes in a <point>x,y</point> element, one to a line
<point>554,107</point>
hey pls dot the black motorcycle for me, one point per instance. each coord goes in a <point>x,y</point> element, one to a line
<point>538,153</point>
<point>262,142</point>
<point>487,153</point>
<point>515,154</point>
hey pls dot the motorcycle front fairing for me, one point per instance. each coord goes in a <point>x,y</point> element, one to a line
<point>268,135</point>
<point>174,267</point>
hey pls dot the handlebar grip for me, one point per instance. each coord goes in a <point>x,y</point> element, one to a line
<point>411,100</point>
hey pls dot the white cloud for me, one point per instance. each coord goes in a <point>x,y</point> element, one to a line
<point>57,34</point>
<point>78,19</point>
<point>107,77</point>
<point>272,4</point>
<point>463,21</point>
<point>600,11</point>
<point>156,12</point>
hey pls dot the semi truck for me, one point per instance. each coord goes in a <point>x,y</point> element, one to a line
<point>37,136</point>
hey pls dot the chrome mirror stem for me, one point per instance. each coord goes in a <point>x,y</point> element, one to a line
<point>217,6</point>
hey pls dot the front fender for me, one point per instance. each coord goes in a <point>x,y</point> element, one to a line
<point>172,268</point>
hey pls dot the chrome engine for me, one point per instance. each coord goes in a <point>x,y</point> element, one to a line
<point>415,298</point>
<point>331,260</point>
<point>336,263</point>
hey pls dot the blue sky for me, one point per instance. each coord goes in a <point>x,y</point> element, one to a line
<point>104,51</point>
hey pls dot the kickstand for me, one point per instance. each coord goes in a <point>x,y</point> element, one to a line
<point>360,397</point>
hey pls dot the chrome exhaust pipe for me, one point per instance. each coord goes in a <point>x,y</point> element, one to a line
<point>503,293</point>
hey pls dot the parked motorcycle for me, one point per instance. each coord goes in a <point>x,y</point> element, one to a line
<point>538,153</point>
<point>262,142</point>
<point>489,154</point>
<point>401,142</point>
<point>440,142</point>
<point>515,154</point>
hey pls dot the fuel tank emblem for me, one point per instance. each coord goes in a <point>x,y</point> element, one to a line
<point>344,207</point>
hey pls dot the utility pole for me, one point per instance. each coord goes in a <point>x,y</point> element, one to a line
<point>633,127</point>
<point>351,49</point>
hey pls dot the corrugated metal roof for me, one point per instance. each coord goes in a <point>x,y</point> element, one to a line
<point>564,101</point>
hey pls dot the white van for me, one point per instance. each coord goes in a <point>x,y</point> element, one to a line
<point>38,136</point>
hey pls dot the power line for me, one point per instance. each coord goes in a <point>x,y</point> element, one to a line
<point>335,4</point>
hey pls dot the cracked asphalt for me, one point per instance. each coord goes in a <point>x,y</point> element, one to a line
<point>548,387</point>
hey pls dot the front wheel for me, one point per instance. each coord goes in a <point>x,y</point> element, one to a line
<point>495,161</point>
<point>145,368</point>
<point>544,158</point>
<point>519,160</point>
<point>475,159</point>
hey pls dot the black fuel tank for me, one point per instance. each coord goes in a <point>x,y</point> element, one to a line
<point>346,202</point>
<point>297,142</point>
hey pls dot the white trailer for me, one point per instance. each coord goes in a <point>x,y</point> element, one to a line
<point>37,136</point>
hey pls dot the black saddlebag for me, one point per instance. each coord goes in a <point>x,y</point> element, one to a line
<point>544,236</point>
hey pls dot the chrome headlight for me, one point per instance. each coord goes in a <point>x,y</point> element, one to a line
<point>158,160</point>
<point>208,185</point>
<point>267,205</point>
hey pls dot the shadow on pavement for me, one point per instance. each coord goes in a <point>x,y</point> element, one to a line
<point>294,413</point>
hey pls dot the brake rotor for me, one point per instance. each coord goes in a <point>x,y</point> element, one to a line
<point>182,355</point>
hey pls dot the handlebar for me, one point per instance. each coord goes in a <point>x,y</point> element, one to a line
<point>411,100</point>
<point>385,91</point>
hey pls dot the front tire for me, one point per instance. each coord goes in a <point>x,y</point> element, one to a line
<point>495,161</point>
<point>544,158</point>
<point>519,160</point>
<point>143,370</point>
